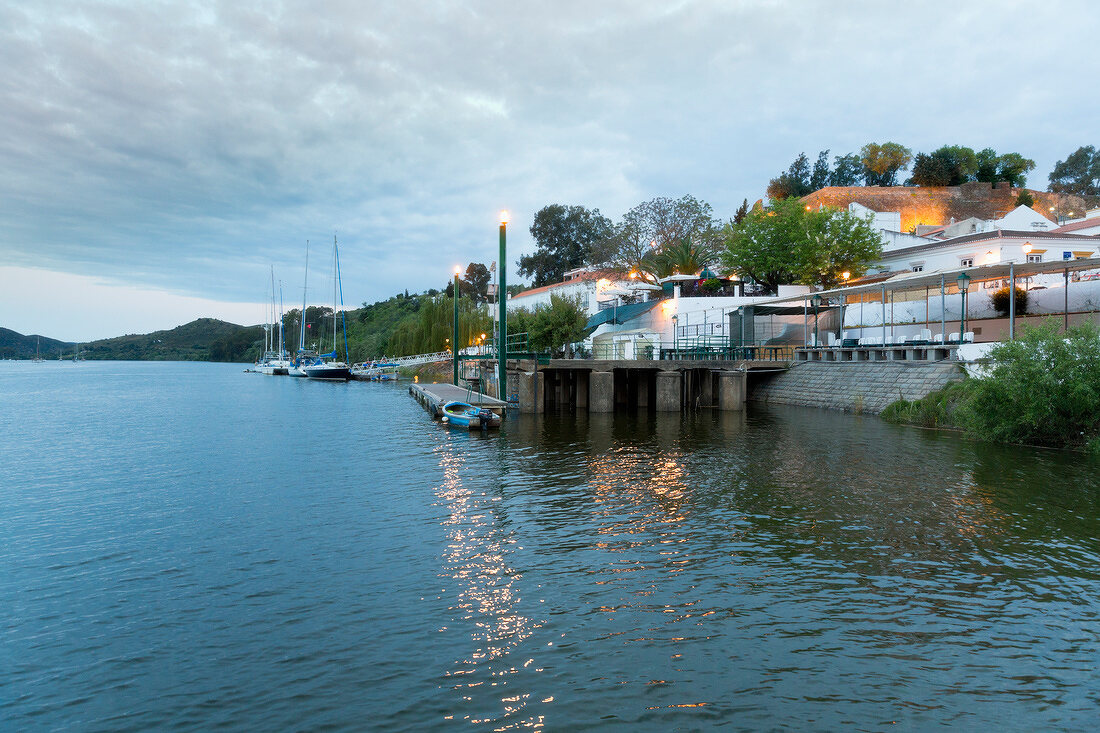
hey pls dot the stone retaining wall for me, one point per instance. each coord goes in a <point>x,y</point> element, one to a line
<point>854,386</point>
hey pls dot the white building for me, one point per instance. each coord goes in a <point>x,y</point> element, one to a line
<point>1090,225</point>
<point>987,248</point>
<point>591,285</point>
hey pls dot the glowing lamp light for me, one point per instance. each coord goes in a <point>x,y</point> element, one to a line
<point>1027,247</point>
<point>458,271</point>
<point>845,274</point>
<point>504,216</point>
<point>633,275</point>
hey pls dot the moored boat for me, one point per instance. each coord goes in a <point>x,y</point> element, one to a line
<point>465,415</point>
<point>332,370</point>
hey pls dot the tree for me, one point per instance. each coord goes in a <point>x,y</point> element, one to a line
<point>760,247</point>
<point>929,170</point>
<point>794,183</point>
<point>566,237</point>
<point>1025,198</point>
<point>847,170</point>
<point>551,327</point>
<point>881,163</point>
<point>476,283</point>
<point>789,244</point>
<point>1078,174</point>
<point>950,165</point>
<point>819,177</point>
<point>742,212</point>
<point>684,258</point>
<point>1011,167</point>
<point>559,324</point>
<point>654,226</point>
<point>836,242</point>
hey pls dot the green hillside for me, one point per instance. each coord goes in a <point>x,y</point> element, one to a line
<point>17,346</point>
<point>206,339</point>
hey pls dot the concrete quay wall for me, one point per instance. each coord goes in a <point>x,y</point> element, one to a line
<point>854,386</point>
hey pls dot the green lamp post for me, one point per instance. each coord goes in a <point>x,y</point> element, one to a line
<point>964,284</point>
<point>502,304</point>
<point>454,338</point>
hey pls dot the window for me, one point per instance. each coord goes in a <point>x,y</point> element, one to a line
<point>966,262</point>
<point>1035,258</point>
<point>918,268</point>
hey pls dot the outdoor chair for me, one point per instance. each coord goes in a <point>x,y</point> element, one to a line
<point>953,338</point>
<point>938,338</point>
<point>968,337</point>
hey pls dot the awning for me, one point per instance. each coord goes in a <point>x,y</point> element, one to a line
<point>620,314</point>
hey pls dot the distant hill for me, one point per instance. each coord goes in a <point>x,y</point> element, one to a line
<point>206,339</point>
<point>17,346</point>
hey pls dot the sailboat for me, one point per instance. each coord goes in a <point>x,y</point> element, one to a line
<point>302,357</point>
<point>332,370</point>
<point>37,347</point>
<point>274,361</point>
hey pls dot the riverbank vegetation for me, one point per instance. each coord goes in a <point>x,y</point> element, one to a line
<point>1042,389</point>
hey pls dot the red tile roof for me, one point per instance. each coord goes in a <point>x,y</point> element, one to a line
<point>581,277</point>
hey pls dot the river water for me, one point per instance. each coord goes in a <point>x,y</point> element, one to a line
<point>188,547</point>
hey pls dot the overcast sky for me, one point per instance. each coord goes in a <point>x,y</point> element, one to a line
<point>158,158</point>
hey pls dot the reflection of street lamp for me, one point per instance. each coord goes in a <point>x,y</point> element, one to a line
<point>816,303</point>
<point>964,283</point>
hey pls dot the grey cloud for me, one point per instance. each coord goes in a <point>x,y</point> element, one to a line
<point>189,145</point>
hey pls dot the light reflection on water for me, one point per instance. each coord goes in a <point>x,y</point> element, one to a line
<point>477,556</point>
<point>170,565</point>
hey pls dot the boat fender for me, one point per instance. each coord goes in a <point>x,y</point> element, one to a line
<point>445,419</point>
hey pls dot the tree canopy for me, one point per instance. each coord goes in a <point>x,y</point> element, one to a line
<point>566,237</point>
<point>788,244</point>
<point>653,227</point>
<point>875,165</point>
<point>953,165</point>
<point>881,162</point>
<point>1078,174</point>
<point>552,327</point>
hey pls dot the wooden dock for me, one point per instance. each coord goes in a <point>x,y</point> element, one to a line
<point>434,396</point>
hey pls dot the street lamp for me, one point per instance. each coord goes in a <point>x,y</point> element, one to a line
<point>816,303</point>
<point>502,302</point>
<point>964,284</point>
<point>454,341</point>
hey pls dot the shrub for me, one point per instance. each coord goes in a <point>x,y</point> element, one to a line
<point>1000,301</point>
<point>1042,388</point>
<point>939,409</point>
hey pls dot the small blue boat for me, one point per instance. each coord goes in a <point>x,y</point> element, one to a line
<point>465,415</point>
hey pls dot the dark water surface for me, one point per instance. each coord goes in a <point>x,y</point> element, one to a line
<point>185,546</point>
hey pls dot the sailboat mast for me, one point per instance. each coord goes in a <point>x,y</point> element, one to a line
<point>334,285</point>
<point>282,347</point>
<point>302,330</point>
<point>343,314</point>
